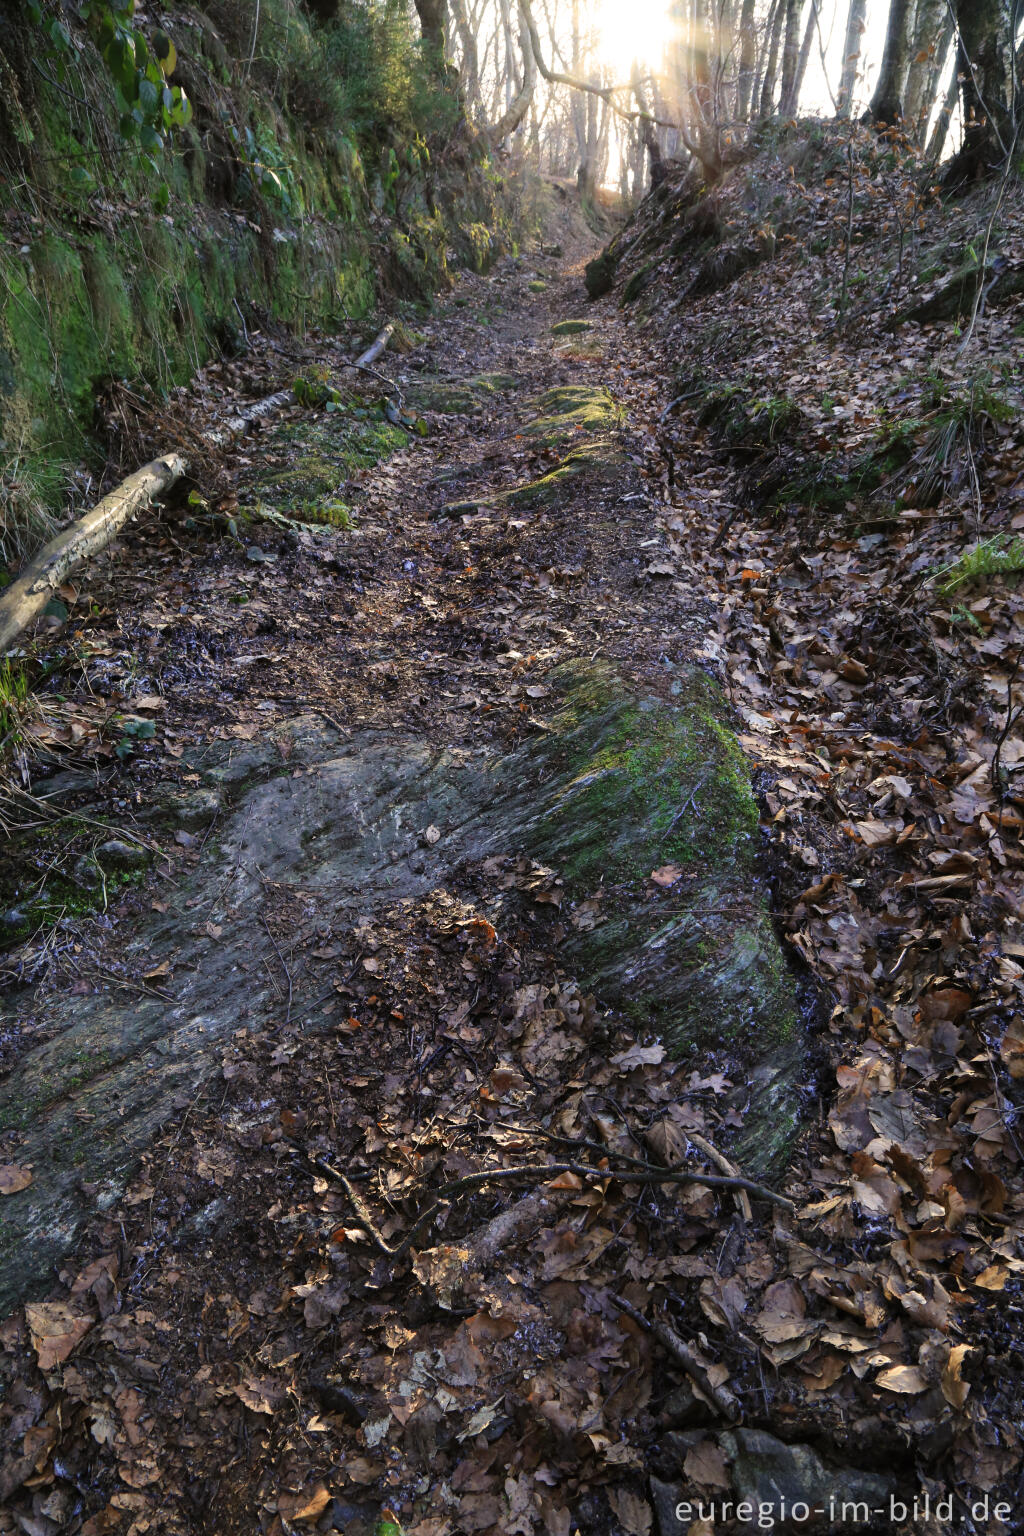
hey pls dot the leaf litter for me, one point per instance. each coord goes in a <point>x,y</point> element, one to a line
<point>240,1343</point>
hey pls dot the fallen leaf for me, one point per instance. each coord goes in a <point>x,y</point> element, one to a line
<point>954,1388</point>
<point>633,1512</point>
<point>705,1463</point>
<point>55,1328</point>
<point>304,1506</point>
<point>902,1378</point>
<point>639,1056</point>
<point>13,1178</point>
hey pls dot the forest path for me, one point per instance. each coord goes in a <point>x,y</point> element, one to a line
<point>375,762</point>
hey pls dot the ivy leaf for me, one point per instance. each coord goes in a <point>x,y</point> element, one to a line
<point>166,52</point>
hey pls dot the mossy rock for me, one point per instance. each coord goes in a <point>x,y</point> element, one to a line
<point>621,783</point>
<point>538,286</point>
<point>625,783</point>
<point>323,453</point>
<point>494,383</point>
<point>641,280</point>
<point>599,274</point>
<point>571,327</point>
<point>458,397</point>
<point>955,297</point>
<point>569,410</point>
<point>595,464</point>
<point>444,397</point>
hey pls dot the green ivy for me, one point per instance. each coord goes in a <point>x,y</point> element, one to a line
<point>140,67</point>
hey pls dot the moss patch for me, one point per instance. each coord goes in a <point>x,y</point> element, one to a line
<point>597,463</point>
<point>630,784</point>
<point>458,397</point>
<point>319,454</point>
<point>572,409</point>
<point>571,327</point>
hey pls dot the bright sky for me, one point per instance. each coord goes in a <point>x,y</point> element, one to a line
<point>641,29</point>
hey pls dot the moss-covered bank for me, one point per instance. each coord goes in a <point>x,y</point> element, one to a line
<point>309,189</point>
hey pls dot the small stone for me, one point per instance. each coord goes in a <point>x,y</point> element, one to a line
<point>767,1472</point>
<point>196,810</point>
<point>665,1497</point>
<point>86,872</point>
<point>118,855</point>
<point>683,1409</point>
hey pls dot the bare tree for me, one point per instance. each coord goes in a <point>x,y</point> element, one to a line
<point>887,102</point>
<point>851,56</point>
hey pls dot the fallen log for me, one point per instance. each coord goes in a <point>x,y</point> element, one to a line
<point>42,576</point>
<point>236,426</point>
<point>376,348</point>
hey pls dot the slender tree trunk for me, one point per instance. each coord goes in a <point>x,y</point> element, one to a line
<point>887,102</point>
<point>522,101</point>
<point>793,103</point>
<point>940,128</point>
<point>470,56</point>
<point>772,65</point>
<point>851,57</point>
<point>748,61</point>
<point>929,45</point>
<point>790,56</point>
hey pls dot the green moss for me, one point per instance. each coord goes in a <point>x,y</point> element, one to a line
<point>445,397</point>
<point>494,383</point>
<point>598,463</point>
<point>640,280</point>
<point>633,783</point>
<point>323,452</point>
<point>571,327</point>
<point>572,409</point>
<point>656,764</point>
<point>599,274</point>
<point>537,286</point>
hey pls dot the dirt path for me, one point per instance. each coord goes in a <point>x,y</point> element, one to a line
<point>390,874</point>
<point>347,952</point>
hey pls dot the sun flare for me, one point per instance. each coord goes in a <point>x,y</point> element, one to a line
<point>631,31</point>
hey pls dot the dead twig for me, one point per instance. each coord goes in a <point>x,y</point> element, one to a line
<point>284,967</point>
<point>642,1174</point>
<point>685,805</point>
<point>686,1356</point>
<point>661,1174</point>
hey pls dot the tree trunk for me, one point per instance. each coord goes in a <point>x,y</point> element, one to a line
<point>790,56</point>
<point>851,57</point>
<point>940,128</point>
<point>432,17</point>
<point>34,588</point>
<point>520,104</point>
<point>792,103</point>
<point>887,102</point>
<point>772,66</point>
<point>748,61</point>
<point>470,56</point>
<point>984,66</point>
<point>930,35</point>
